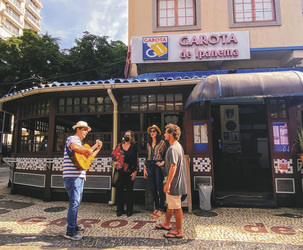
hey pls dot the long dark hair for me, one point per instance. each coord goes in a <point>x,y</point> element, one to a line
<point>150,140</point>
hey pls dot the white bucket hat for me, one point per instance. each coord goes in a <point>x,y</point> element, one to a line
<point>82,124</point>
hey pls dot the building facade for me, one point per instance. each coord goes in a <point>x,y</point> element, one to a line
<point>224,71</point>
<point>16,15</point>
<point>245,154</point>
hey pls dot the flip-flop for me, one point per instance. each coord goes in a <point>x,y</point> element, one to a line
<point>160,227</point>
<point>173,235</point>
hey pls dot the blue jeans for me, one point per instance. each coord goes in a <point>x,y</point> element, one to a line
<point>74,187</point>
<point>155,179</point>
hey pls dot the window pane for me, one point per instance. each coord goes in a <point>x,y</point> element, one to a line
<point>134,107</point>
<point>189,12</point>
<point>247,7</point>
<point>61,101</point>
<point>162,4</point>
<point>84,100</point>
<point>100,100</point>
<point>189,3</point>
<point>162,22</point>
<point>126,98</point>
<point>162,13</point>
<point>143,107</point>
<point>84,109</point>
<point>69,110</point>
<point>259,16</point>
<point>178,97</point>
<point>160,97</point>
<point>69,101</point>
<point>135,98</point>
<point>181,21</point>
<point>77,100</point>
<point>92,100</point>
<point>92,108</point>
<point>107,100</point>
<point>189,21</point>
<point>259,6</point>
<point>151,98</point>
<point>61,110</point>
<point>108,108</point>
<point>169,106</point>
<point>152,106</point>
<point>170,13</point>
<point>181,12</point>
<point>143,98</point>
<point>171,22</point>
<point>160,106</point>
<point>126,107</point>
<point>76,109</point>
<point>181,4</point>
<point>170,4</point>
<point>268,16</point>
<point>169,97</point>
<point>99,109</point>
<point>178,106</point>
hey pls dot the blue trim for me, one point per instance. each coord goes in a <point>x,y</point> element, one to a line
<point>276,48</point>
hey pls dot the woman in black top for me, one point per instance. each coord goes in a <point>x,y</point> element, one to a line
<point>127,152</point>
<point>156,150</point>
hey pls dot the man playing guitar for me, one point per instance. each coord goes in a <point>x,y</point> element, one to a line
<point>74,177</point>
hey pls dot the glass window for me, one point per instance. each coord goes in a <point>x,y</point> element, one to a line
<point>76,100</point>
<point>176,13</point>
<point>172,15</point>
<point>254,13</point>
<point>160,97</point>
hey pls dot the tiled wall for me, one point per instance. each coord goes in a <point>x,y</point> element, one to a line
<point>283,166</point>
<point>98,164</point>
<point>201,164</point>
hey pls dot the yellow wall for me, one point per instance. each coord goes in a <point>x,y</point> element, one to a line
<point>215,18</point>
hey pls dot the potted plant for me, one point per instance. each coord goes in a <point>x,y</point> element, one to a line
<point>299,143</point>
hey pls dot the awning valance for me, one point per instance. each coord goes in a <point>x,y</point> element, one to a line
<point>248,85</point>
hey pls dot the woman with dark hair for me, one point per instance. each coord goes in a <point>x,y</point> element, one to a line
<point>156,150</point>
<point>125,157</point>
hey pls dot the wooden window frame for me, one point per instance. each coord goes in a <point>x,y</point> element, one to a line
<point>276,22</point>
<point>175,103</point>
<point>197,21</point>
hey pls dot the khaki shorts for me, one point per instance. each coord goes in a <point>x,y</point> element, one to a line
<point>173,201</point>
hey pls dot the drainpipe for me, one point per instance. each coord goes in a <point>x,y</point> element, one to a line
<point>115,137</point>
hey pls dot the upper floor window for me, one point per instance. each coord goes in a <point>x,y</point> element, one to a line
<point>172,15</point>
<point>245,13</point>
<point>176,13</point>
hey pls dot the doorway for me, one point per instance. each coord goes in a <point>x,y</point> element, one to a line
<point>242,165</point>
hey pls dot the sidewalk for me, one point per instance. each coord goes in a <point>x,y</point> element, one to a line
<point>36,224</point>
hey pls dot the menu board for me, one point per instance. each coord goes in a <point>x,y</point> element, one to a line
<point>200,136</point>
<point>280,133</point>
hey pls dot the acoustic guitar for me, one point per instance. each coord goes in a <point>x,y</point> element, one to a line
<point>83,161</point>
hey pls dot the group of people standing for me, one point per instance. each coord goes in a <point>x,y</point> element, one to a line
<point>164,169</point>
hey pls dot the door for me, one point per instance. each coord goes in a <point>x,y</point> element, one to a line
<point>241,148</point>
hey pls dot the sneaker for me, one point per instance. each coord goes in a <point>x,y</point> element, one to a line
<point>80,229</point>
<point>73,236</point>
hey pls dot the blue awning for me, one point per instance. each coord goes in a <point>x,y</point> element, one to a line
<point>248,85</point>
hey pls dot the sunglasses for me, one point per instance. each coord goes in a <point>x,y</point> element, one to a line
<point>152,131</point>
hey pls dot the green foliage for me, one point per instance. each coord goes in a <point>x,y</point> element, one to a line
<point>299,140</point>
<point>31,56</point>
